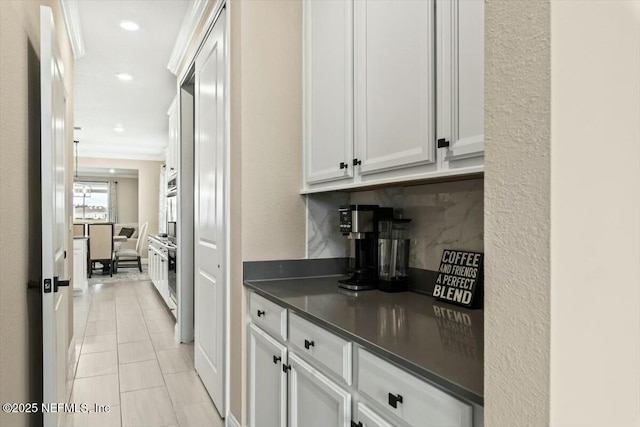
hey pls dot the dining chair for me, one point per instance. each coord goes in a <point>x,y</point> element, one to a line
<point>101,246</point>
<point>78,230</point>
<point>132,257</point>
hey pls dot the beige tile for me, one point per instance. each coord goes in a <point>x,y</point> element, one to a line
<point>103,390</point>
<point>103,305</point>
<point>164,341</point>
<point>99,343</point>
<point>125,289</point>
<point>94,364</point>
<point>150,303</point>
<point>140,375</point>
<point>158,313</point>
<point>136,352</point>
<point>95,419</point>
<point>131,333</point>
<point>126,299</point>
<point>156,326</point>
<point>101,327</point>
<point>185,388</point>
<point>96,315</point>
<point>176,360</point>
<point>127,307</point>
<point>103,298</point>
<point>202,414</point>
<point>130,320</point>
<point>149,407</point>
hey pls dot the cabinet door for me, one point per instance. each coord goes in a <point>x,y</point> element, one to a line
<point>461,78</point>
<point>267,380</point>
<point>367,417</point>
<point>314,399</point>
<point>79,266</point>
<point>394,90</point>
<point>328,90</point>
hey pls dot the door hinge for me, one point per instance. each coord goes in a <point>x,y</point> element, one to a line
<point>47,286</point>
<point>357,162</point>
<point>285,368</point>
<point>57,283</point>
<point>443,143</point>
<point>344,165</point>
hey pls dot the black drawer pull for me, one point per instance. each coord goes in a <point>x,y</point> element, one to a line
<point>276,359</point>
<point>261,313</point>
<point>308,344</point>
<point>354,424</point>
<point>394,399</point>
<point>285,368</point>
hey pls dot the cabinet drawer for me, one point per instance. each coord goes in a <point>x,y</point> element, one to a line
<point>321,346</point>
<point>270,316</point>
<point>408,397</point>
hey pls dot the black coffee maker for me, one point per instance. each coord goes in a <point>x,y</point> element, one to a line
<point>360,224</point>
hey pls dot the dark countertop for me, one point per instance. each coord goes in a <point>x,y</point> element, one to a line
<point>438,341</point>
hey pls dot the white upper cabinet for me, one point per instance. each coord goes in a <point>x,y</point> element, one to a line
<point>394,84</point>
<point>172,153</point>
<point>461,77</point>
<point>393,91</point>
<point>328,90</point>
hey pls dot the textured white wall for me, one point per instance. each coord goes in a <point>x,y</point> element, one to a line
<point>517,212</point>
<point>595,213</point>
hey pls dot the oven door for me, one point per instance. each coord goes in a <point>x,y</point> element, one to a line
<point>172,276</point>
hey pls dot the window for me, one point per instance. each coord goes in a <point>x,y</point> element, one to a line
<point>91,201</point>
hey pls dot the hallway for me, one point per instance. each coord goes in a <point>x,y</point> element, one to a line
<point>126,357</point>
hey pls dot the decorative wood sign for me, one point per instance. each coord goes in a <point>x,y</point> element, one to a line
<point>459,278</point>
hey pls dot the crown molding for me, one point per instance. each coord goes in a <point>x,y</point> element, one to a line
<point>71,14</point>
<point>192,19</point>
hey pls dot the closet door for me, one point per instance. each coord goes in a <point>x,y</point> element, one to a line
<point>394,90</point>
<point>209,221</point>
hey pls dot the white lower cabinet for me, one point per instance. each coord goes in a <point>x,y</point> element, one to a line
<point>367,417</point>
<point>314,399</point>
<point>267,380</point>
<point>305,380</point>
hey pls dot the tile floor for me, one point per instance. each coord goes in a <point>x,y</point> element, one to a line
<point>126,357</point>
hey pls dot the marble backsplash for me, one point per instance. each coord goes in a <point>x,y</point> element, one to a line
<point>444,216</point>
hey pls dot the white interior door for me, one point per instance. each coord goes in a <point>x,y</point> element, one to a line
<point>209,226</point>
<point>55,320</point>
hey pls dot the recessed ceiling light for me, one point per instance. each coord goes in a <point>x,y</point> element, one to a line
<point>112,170</point>
<point>124,76</point>
<point>118,129</point>
<point>129,26</point>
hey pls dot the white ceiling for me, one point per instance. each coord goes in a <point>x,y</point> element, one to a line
<point>107,172</point>
<point>102,101</point>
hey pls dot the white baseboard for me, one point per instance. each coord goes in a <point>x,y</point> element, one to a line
<point>231,421</point>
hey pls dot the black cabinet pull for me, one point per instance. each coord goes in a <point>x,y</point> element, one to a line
<point>276,359</point>
<point>357,162</point>
<point>285,368</point>
<point>344,165</point>
<point>443,143</point>
<point>394,399</point>
<point>308,344</point>
<point>354,424</point>
<point>261,313</point>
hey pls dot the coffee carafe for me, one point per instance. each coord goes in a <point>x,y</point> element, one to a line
<point>360,224</point>
<point>393,255</point>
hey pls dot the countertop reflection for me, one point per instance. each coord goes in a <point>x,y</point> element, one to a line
<point>439,341</point>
